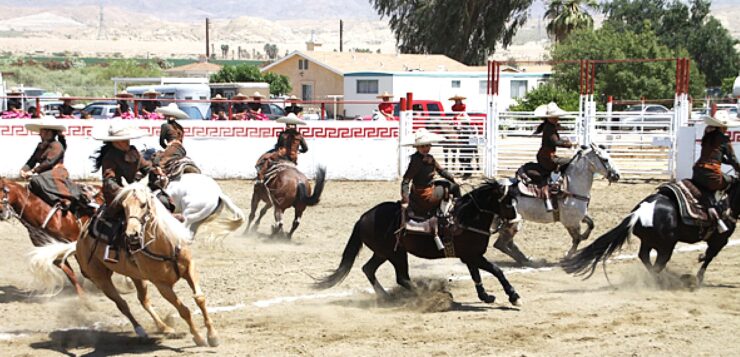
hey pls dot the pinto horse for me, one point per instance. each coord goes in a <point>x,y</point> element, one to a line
<point>18,201</point>
<point>159,251</point>
<point>657,222</point>
<point>285,187</point>
<point>476,213</point>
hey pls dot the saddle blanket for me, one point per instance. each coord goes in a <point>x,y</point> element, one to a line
<point>688,196</point>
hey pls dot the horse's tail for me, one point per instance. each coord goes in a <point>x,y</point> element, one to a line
<point>585,260</point>
<point>314,198</point>
<point>237,218</point>
<point>348,258</point>
<point>48,278</point>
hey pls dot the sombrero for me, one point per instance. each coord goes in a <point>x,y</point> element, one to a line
<point>239,96</point>
<point>457,97</point>
<point>65,97</point>
<point>385,94</point>
<point>14,90</point>
<point>257,95</point>
<point>47,122</point>
<point>120,130</point>
<point>425,137</point>
<point>124,94</point>
<point>150,91</point>
<point>549,110</point>
<point>290,119</point>
<point>218,96</point>
<point>172,110</point>
<point>78,106</point>
<point>721,119</point>
<point>293,98</point>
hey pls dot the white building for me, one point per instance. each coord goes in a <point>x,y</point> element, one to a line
<point>437,86</point>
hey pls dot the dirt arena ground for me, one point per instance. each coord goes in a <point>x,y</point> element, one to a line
<point>263,303</point>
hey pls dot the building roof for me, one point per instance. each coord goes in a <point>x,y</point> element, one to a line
<point>196,67</point>
<point>344,62</point>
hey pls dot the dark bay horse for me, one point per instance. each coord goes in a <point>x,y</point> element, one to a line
<point>476,212</point>
<point>667,230</point>
<point>285,187</point>
<point>18,201</point>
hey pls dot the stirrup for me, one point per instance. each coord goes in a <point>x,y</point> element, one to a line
<point>438,242</point>
<point>721,226</point>
<point>548,205</point>
<point>107,256</point>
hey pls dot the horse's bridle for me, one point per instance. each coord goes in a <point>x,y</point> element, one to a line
<point>8,210</point>
<point>610,171</point>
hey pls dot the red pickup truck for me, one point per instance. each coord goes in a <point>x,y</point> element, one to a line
<point>427,108</point>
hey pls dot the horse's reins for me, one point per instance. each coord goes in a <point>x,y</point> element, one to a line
<point>493,214</point>
<point>144,221</point>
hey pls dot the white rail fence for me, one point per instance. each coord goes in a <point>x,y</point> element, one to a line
<point>642,144</point>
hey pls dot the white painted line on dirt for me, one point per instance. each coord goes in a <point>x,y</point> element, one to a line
<point>287,299</point>
<point>7,336</point>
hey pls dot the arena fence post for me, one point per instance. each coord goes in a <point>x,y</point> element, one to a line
<point>405,134</point>
<point>492,120</point>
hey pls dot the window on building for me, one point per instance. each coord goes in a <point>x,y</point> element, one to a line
<point>518,89</point>
<point>305,64</point>
<point>367,86</point>
<point>455,84</point>
<point>483,87</point>
<point>306,92</point>
<point>302,64</point>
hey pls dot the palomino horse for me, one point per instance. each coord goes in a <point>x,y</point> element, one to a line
<point>159,253</point>
<point>202,203</point>
<point>573,204</point>
<point>285,187</point>
<point>18,201</point>
<point>657,222</point>
<point>475,213</point>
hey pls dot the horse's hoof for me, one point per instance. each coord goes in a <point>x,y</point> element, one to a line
<point>199,341</point>
<point>488,299</point>
<point>515,299</point>
<point>167,330</point>
<point>140,332</point>
<point>213,341</point>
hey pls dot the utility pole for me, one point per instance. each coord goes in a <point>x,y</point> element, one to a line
<point>101,23</point>
<point>341,35</point>
<point>208,46</point>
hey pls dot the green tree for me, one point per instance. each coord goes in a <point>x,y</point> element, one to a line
<point>467,31</point>
<point>652,80</point>
<point>546,93</point>
<point>680,26</point>
<point>279,84</point>
<point>565,16</point>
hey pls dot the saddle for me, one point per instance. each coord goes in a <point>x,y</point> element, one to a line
<point>689,198</point>
<point>533,180</point>
<point>109,231</point>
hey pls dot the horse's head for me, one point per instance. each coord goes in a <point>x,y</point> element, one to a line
<point>136,201</point>
<point>599,161</point>
<point>6,211</point>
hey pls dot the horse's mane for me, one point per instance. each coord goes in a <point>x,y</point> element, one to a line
<point>163,222</point>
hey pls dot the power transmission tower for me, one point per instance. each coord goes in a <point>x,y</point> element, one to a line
<point>101,24</point>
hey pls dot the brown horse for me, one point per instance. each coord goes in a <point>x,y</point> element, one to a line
<point>18,201</point>
<point>158,252</point>
<point>285,187</point>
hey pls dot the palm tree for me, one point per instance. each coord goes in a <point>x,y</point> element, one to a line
<point>567,15</point>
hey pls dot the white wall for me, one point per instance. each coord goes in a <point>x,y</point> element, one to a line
<point>350,150</point>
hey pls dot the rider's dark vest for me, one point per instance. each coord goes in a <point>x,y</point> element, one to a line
<point>117,164</point>
<point>47,155</point>
<point>171,131</point>
<point>550,142</point>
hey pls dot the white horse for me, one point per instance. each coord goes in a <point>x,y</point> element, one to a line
<point>572,204</point>
<point>201,202</point>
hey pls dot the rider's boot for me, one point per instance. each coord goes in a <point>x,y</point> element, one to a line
<point>714,210</point>
<point>517,217</point>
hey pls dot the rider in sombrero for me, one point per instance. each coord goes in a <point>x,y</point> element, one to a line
<point>49,178</point>
<point>551,139</point>
<point>294,106</point>
<point>290,142</point>
<point>716,149</point>
<point>386,107</point>
<point>149,107</point>
<point>171,134</point>
<point>419,189</point>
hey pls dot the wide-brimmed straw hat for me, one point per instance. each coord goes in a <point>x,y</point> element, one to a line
<point>120,130</point>
<point>291,118</point>
<point>293,98</point>
<point>549,110</point>
<point>218,96</point>
<point>239,96</point>
<point>14,90</point>
<point>722,119</point>
<point>385,94</point>
<point>457,97</point>
<point>150,91</point>
<point>425,137</point>
<point>65,97</point>
<point>124,94</point>
<point>47,122</point>
<point>78,106</point>
<point>257,95</point>
<point>172,110</point>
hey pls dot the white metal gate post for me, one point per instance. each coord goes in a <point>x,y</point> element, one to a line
<point>405,133</point>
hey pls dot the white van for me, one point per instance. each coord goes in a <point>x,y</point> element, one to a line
<point>195,110</point>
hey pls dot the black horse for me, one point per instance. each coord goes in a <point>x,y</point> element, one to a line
<point>475,212</point>
<point>667,230</point>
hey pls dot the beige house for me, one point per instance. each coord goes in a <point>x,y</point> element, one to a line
<point>319,76</point>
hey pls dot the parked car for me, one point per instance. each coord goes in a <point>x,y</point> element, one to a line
<point>273,111</point>
<point>633,116</point>
<point>100,110</point>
